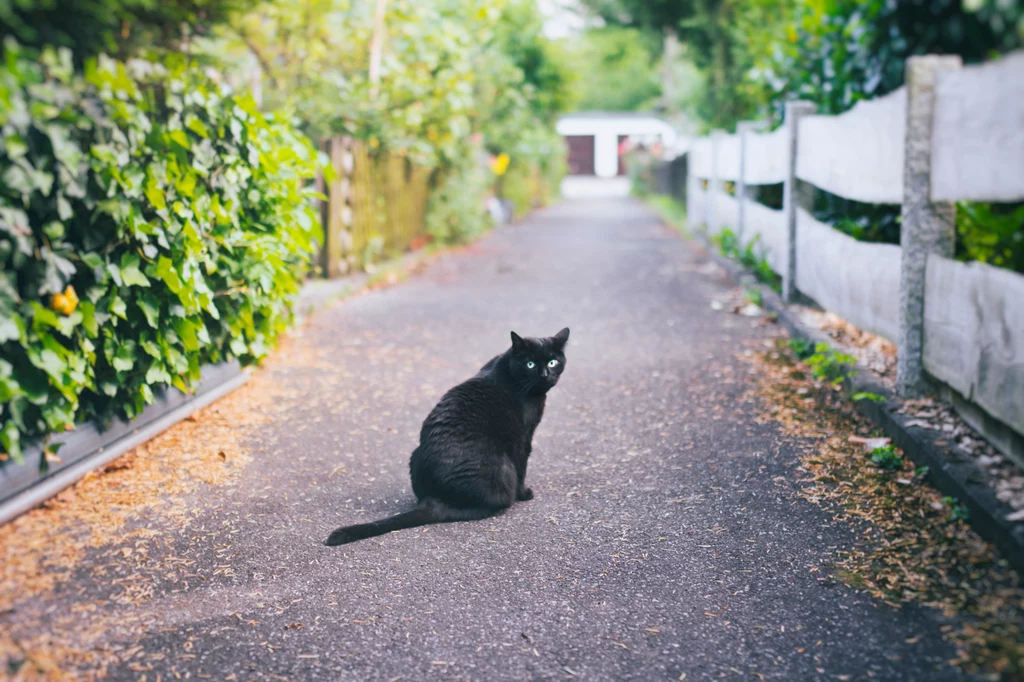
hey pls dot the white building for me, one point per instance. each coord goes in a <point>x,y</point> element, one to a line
<point>595,139</point>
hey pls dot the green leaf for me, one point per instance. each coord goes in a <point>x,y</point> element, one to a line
<point>124,359</point>
<point>150,308</point>
<point>10,439</point>
<point>43,317</point>
<point>9,327</point>
<point>64,210</point>
<point>118,307</point>
<point>155,194</point>
<point>88,310</point>
<point>187,331</point>
<point>132,276</point>
<point>180,137</point>
<point>196,126</point>
<point>166,272</point>
<point>156,374</point>
<point>93,260</point>
<point>49,362</point>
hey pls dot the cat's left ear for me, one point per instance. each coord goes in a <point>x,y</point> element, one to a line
<point>517,342</point>
<point>560,338</point>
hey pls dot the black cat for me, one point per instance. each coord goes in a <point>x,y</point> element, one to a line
<point>475,443</point>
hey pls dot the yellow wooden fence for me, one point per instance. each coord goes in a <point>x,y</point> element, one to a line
<point>375,207</point>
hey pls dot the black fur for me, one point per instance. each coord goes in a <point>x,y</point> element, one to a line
<point>476,442</point>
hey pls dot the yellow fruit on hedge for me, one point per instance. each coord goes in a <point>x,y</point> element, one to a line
<point>58,302</point>
<point>500,164</point>
<point>66,302</point>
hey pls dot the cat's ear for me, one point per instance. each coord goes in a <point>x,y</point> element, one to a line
<point>560,338</point>
<point>517,342</point>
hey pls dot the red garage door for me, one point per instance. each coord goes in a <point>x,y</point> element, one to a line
<point>581,154</point>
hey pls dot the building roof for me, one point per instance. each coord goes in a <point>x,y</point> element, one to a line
<point>611,114</point>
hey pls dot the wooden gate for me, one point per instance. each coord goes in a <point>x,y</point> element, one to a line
<point>581,154</point>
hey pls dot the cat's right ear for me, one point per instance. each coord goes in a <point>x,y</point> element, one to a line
<point>517,342</point>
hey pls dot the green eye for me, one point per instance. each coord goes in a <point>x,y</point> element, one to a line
<point>553,363</point>
<point>530,364</point>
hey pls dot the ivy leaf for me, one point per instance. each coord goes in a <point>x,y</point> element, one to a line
<point>179,137</point>
<point>10,439</point>
<point>166,272</point>
<point>93,260</point>
<point>124,359</point>
<point>156,374</point>
<point>132,276</point>
<point>118,307</point>
<point>151,309</point>
<point>187,331</point>
<point>10,330</point>
<point>89,322</point>
<point>155,194</point>
<point>196,126</point>
<point>64,210</point>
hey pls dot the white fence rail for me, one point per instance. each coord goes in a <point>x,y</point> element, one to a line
<point>951,134</point>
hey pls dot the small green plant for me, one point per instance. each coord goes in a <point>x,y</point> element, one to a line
<point>754,262</point>
<point>921,471</point>
<point>887,457</point>
<point>829,365</point>
<point>753,296</point>
<point>801,348</point>
<point>728,243</point>
<point>958,512</point>
<point>873,397</point>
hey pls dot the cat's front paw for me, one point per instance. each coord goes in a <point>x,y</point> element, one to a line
<point>524,494</point>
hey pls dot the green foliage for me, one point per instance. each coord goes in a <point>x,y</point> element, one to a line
<point>456,210</point>
<point>872,397</point>
<point>117,27</point>
<point>887,457</point>
<point>150,223</point>
<point>746,255</point>
<point>450,69</point>
<point>625,58</point>
<point>991,233</point>
<point>670,210</point>
<point>837,52</point>
<point>958,511</point>
<point>831,366</point>
<point>801,348</point>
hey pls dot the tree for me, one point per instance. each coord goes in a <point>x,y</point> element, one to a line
<point>625,59</point>
<point>119,28</point>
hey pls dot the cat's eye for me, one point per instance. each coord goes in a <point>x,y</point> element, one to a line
<point>530,364</point>
<point>553,364</point>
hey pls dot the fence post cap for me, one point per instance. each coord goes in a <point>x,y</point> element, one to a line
<point>935,61</point>
<point>800,106</point>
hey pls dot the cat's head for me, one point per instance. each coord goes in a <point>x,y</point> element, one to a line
<point>537,363</point>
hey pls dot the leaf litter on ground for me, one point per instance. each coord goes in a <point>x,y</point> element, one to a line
<point>911,549</point>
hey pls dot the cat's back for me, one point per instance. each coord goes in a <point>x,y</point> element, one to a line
<point>476,406</point>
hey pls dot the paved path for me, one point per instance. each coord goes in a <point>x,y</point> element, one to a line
<point>658,543</point>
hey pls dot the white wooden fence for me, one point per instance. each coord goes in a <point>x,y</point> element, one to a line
<point>952,133</point>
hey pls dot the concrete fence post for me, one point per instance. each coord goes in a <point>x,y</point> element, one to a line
<point>714,184</point>
<point>795,194</point>
<point>926,226</point>
<point>743,128</point>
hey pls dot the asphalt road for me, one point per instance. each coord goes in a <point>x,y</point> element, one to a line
<point>663,541</point>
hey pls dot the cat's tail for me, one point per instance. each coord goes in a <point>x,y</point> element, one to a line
<point>428,511</point>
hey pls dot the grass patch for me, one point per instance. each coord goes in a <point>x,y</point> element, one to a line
<point>670,210</point>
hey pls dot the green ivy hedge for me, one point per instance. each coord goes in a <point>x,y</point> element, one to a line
<point>151,222</point>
